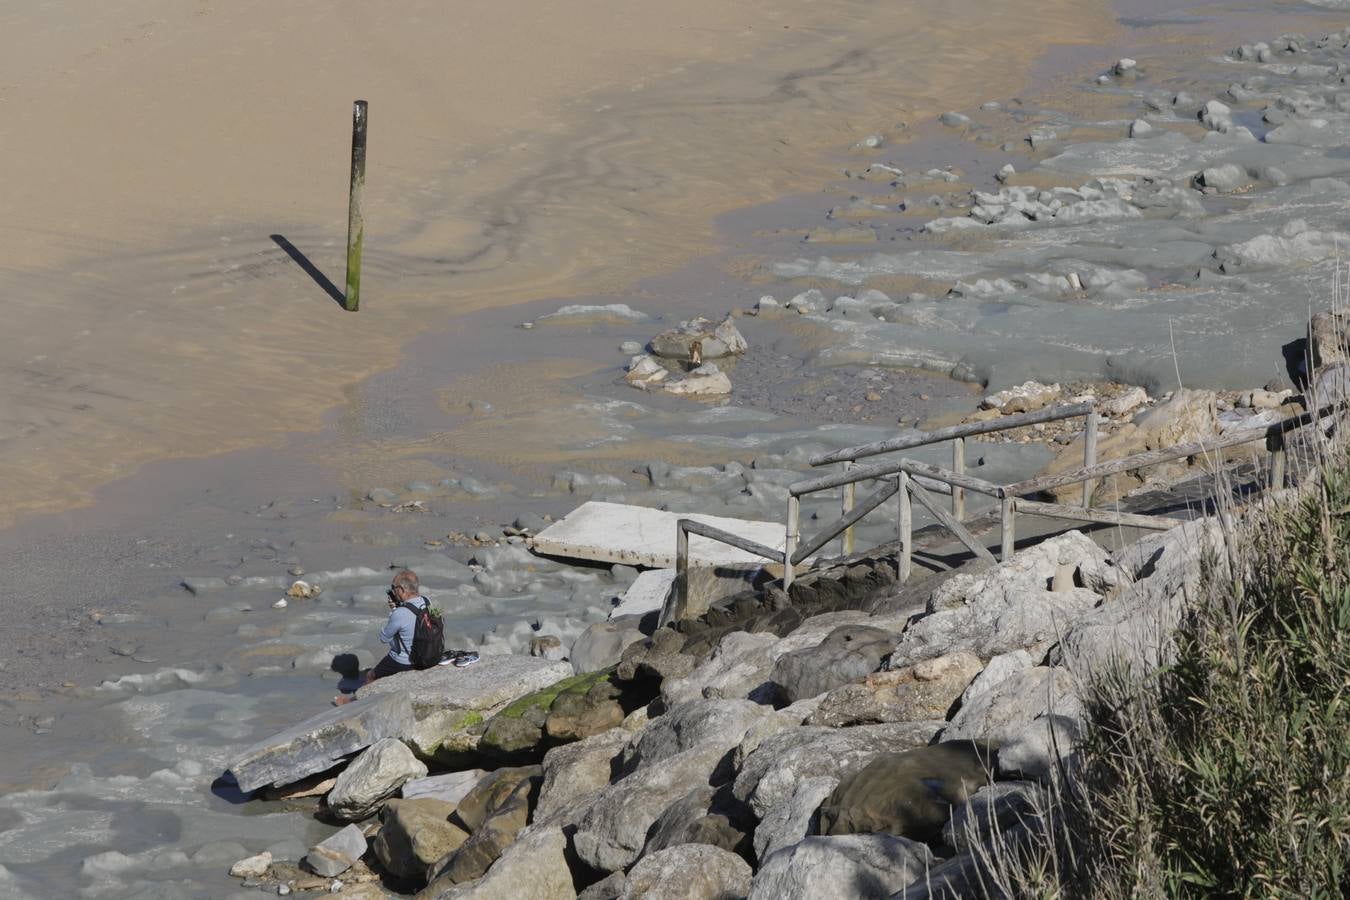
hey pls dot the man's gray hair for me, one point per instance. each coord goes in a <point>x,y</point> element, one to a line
<point>407,580</point>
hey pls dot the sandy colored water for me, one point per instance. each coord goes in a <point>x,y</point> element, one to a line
<point>518,150</point>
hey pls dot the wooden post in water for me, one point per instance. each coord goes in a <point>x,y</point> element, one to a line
<point>356,224</point>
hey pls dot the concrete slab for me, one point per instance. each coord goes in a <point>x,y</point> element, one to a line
<point>638,536</point>
<point>646,594</point>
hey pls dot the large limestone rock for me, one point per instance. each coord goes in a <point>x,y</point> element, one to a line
<point>1190,415</point>
<point>695,725</point>
<point>740,667</point>
<point>1011,606</point>
<point>705,815</point>
<point>1136,628</point>
<point>794,819</point>
<point>847,654</point>
<point>374,775</point>
<point>614,829</point>
<point>925,690</point>
<point>772,772</point>
<point>534,867</point>
<point>487,842</point>
<point>602,644</point>
<point>716,341</point>
<point>415,835</point>
<point>490,683</point>
<point>1026,397</point>
<point>909,793</point>
<point>321,742</point>
<point>705,381</point>
<point>491,793</point>
<point>994,809</point>
<point>1000,712</point>
<point>575,772</point>
<point>337,853</point>
<point>1329,338</point>
<point>448,788</point>
<point>863,866</point>
<point>688,872</point>
<point>575,707</point>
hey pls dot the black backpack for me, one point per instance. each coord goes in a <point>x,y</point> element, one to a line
<point>428,643</point>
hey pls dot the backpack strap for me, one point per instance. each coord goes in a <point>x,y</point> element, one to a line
<point>417,612</point>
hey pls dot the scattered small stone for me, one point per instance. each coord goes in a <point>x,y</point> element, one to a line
<point>1005,173</point>
<point>280,604</point>
<point>295,571</point>
<point>303,590</point>
<point>1140,128</point>
<point>252,866</point>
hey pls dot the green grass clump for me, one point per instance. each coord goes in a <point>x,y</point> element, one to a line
<point>1227,773</point>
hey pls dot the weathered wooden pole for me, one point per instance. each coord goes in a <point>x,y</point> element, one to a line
<point>959,467</point>
<point>356,225</point>
<point>850,494</point>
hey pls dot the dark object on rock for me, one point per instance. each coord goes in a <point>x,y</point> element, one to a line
<point>910,793</point>
<point>849,653</point>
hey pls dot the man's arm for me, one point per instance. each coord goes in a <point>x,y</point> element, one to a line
<point>397,619</point>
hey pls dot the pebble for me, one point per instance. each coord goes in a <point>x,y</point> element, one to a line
<point>1139,128</point>
<point>483,537</point>
<point>1005,173</point>
<point>295,571</point>
<point>280,604</point>
<point>630,348</point>
<point>283,890</point>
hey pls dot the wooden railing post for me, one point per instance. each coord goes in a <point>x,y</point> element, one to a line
<point>906,529</point>
<point>959,467</point>
<point>1275,444</point>
<point>1008,512</point>
<point>850,495</point>
<point>1089,453</point>
<point>681,571</point>
<point>793,531</point>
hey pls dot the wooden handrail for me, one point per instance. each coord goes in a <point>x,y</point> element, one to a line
<point>923,438</point>
<point>851,518</point>
<point>880,470</point>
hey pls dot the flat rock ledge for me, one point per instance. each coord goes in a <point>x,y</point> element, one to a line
<point>322,741</point>
<point>491,682</point>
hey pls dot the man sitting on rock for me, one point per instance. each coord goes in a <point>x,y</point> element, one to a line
<point>397,631</point>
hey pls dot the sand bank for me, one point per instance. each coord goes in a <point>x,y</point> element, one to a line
<point>518,151</point>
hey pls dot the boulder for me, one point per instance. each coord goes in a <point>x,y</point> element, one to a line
<point>739,667</point>
<point>448,788</point>
<point>1000,712</point>
<point>608,888</point>
<point>1224,178</point>
<point>321,742</point>
<point>925,690</point>
<point>705,381</point>
<point>909,793</point>
<point>1011,606</point>
<point>699,724</point>
<point>498,830</point>
<point>449,737</point>
<point>994,810</point>
<point>374,775</point>
<point>490,794</point>
<point>644,371</point>
<point>533,868</point>
<point>1329,338</point>
<point>847,654</point>
<point>688,872</point>
<point>795,818</point>
<point>1026,397</point>
<point>415,835</point>
<point>772,772</point>
<point>863,866</point>
<point>255,866</point>
<point>612,832</point>
<point>705,815</point>
<point>337,853</point>
<point>588,704</point>
<point>716,341</point>
<point>1136,628</point>
<point>602,644</point>
<point>574,772</point>
<point>487,684</point>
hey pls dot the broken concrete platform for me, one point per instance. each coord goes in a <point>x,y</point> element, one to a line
<point>639,536</point>
<point>322,741</point>
<point>646,594</point>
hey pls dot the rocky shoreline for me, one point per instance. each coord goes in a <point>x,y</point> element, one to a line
<point>855,731</point>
